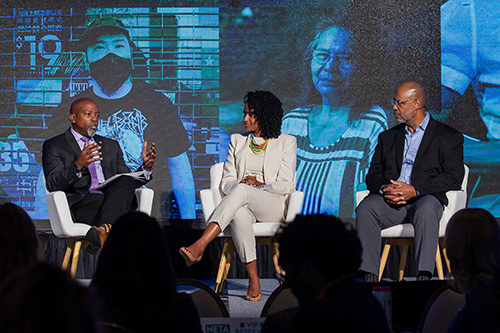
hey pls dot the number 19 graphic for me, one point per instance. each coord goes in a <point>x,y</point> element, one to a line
<point>40,47</point>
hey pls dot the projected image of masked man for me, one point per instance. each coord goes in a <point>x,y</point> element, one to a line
<point>132,112</point>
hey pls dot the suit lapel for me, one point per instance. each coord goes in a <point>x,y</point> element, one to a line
<point>243,156</point>
<point>400,147</point>
<point>426,140</point>
<point>268,154</point>
<point>70,139</point>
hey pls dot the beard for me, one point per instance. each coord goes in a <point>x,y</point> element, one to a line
<point>111,72</point>
<point>91,132</point>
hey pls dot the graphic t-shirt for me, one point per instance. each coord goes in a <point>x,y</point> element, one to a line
<point>142,115</point>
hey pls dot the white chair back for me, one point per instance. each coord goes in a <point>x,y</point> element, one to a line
<point>457,200</point>
<point>61,221</point>
<point>216,172</point>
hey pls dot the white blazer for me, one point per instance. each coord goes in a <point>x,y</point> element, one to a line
<point>280,161</point>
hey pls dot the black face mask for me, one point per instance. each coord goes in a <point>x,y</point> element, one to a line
<point>110,72</point>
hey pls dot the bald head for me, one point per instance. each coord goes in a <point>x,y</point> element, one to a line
<point>79,103</point>
<point>413,90</point>
<point>409,105</point>
<point>84,116</point>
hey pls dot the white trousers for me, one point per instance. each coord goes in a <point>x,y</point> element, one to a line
<point>242,207</point>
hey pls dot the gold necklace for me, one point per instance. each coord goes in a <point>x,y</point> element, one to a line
<point>256,148</point>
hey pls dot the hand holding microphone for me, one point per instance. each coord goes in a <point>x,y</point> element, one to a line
<point>90,153</point>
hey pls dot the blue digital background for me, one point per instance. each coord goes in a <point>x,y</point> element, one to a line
<point>42,66</point>
<point>251,46</point>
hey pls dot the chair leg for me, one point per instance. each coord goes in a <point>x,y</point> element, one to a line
<point>275,252</point>
<point>74,260</point>
<point>220,271</point>
<point>447,260</point>
<point>439,263</point>
<point>229,255</point>
<point>383,260</point>
<point>402,262</point>
<point>224,264</point>
<point>67,254</point>
<point>442,245</point>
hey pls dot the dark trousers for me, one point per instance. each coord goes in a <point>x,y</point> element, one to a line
<point>374,214</point>
<point>117,199</point>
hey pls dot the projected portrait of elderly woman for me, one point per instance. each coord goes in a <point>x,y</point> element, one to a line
<point>336,133</point>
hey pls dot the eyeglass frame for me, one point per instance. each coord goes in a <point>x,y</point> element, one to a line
<point>398,103</point>
<point>342,59</point>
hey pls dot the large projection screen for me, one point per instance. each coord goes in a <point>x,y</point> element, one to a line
<point>335,65</point>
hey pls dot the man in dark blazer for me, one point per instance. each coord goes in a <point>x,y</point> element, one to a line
<point>78,159</point>
<point>415,163</point>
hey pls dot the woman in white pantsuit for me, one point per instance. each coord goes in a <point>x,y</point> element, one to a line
<point>259,175</point>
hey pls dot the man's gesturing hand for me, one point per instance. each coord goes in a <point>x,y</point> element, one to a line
<point>90,153</point>
<point>149,156</point>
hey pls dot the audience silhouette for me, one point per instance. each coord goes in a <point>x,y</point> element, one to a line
<point>18,240</point>
<point>136,281</point>
<point>473,248</point>
<point>321,257</point>
<point>43,298</point>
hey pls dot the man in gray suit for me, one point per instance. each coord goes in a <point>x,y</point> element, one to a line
<point>415,163</point>
<point>77,160</point>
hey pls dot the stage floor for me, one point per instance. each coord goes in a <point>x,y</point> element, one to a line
<point>235,300</point>
<point>234,296</point>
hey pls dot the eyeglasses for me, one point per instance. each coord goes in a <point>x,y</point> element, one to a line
<point>398,102</point>
<point>321,57</point>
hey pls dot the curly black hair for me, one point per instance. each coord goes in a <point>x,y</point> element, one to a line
<point>268,112</point>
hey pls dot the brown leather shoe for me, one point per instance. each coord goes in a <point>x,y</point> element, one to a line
<point>96,236</point>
